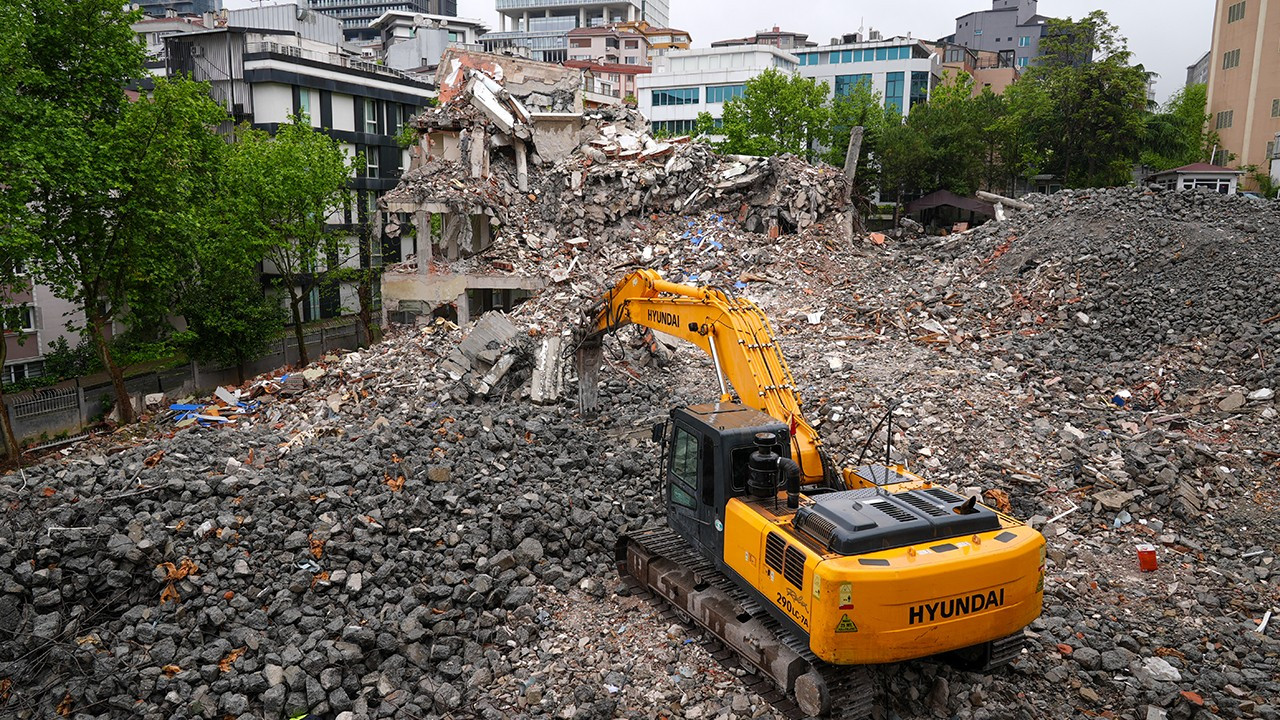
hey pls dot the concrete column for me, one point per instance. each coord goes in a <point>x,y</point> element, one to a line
<point>479,146</point>
<point>464,309</point>
<point>422,222</point>
<point>526,21</point>
<point>631,13</point>
<point>582,17</point>
<point>522,165</point>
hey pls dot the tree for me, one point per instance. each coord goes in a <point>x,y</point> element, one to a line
<point>861,107</point>
<point>116,184</point>
<point>1079,112</point>
<point>777,113</point>
<point>287,188</point>
<point>230,320</point>
<point>1178,135</point>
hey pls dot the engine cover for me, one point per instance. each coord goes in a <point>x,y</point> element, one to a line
<point>854,522</point>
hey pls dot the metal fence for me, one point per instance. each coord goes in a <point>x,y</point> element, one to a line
<point>72,404</point>
<point>45,402</point>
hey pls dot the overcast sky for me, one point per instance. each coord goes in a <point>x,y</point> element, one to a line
<point>1165,35</point>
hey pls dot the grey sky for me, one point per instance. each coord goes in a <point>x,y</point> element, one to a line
<point>1165,35</point>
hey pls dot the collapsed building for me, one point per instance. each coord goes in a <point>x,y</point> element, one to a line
<point>511,154</point>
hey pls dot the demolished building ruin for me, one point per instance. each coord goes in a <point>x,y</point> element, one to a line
<point>510,153</point>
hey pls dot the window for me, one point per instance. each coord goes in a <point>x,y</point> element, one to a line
<point>631,61</point>
<point>371,161</point>
<point>1235,13</point>
<point>977,32</point>
<point>1275,108</point>
<point>1231,59</point>
<point>721,93</point>
<point>1226,119</point>
<point>20,319</point>
<point>673,127</point>
<point>893,89</point>
<point>1022,62</point>
<point>632,45</point>
<point>370,117</point>
<point>846,56</point>
<point>919,87</point>
<point>675,96</point>
<point>1271,149</point>
<point>846,83</point>
<point>1024,41</point>
<point>304,103</point>
<point>22,371</point>
<point>834,57</point>
<point>882,53</point>
<point>684,468</point>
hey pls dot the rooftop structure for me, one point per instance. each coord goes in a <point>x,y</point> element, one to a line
<point>777,38</point>
<point>358,16</point>
<point>542,26</point>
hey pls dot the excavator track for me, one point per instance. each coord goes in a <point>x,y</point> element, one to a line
<point>780,666</point>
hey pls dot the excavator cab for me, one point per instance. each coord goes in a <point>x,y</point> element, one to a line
<point>706,454</point>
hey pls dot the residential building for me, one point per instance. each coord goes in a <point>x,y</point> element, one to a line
<point>609,46</point>
<point>662,40</point>
<point>1198,74</point>
<point>263,76</point>
<point>160,8</point>
<point>44,319</point>
<point>781,39</point>
<point>904,71</point>
<point>357,16</point>
<point>608,84</point>
<point>990,70</point>
<point>1010,25</point>
<point>685,83</point>
<point>153,31</point>
<point>1244,87</point>
<point>542,26</point>
<point>415,41</point>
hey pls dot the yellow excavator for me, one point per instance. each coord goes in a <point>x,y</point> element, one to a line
<point>806,573</point>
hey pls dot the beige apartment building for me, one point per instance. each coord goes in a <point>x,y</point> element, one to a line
<point>1244,82</point>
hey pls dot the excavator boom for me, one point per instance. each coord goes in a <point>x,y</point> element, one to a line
<point>729,328</point>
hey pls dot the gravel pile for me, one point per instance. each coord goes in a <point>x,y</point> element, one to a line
<point>389,543</point>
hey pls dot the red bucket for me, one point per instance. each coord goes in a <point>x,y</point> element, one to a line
<point>1147,558</point>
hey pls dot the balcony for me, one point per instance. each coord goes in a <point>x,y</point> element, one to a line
<point>545,4</point>
<point>327,58</point>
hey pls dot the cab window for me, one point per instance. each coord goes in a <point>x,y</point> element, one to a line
<point>684,468</point>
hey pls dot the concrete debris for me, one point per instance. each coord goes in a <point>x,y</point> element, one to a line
<point>391,542</point>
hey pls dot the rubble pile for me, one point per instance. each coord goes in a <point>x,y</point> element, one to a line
<point>425,528</point>
<point>619,175</point>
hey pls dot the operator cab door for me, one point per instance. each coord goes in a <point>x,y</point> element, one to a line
<point>691,490</point>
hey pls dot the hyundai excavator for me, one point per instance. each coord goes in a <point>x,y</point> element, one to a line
<point>806,573</point>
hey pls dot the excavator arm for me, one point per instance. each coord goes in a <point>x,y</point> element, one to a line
<point>729,328</point>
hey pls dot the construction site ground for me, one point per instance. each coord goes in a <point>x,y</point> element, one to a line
<point>407,537</point>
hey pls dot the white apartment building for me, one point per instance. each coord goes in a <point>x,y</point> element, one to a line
<point>263,75</point>
<point>904,71</point>
<point>685,83</point>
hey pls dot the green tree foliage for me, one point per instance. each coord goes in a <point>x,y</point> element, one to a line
<point>777,113</point>
<point>230,320</point>
<point>861,107</point>
<point>1178,135</point>
<point>1079,113</point>
<point>286,188</point>
<point>116,184</point>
